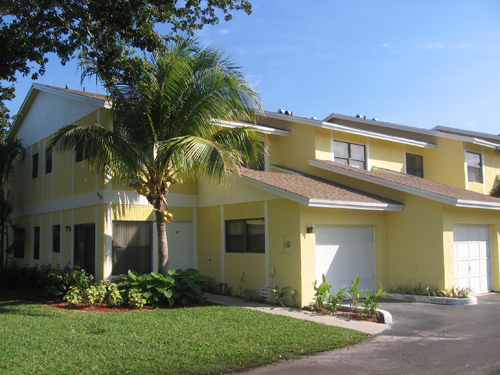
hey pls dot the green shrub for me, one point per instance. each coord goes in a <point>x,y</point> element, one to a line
<point>187,286</point>
<point>113,296</point>
<point>57,282</point>
<point>321,293</point>
<point>14,277</point>
<point>155,288</point>
<point>94,294</point>
<point>135,299</point>
<point>74,296</point>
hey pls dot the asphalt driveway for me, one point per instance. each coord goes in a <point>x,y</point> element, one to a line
<point>424,339</point>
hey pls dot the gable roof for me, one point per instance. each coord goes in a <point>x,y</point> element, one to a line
<point>469,133</point>
<point>414,185</point>
<point>86,94</point>
<point>315,192</point>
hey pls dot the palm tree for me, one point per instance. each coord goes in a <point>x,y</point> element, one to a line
<point>165,129</point>
<point>10,149</point>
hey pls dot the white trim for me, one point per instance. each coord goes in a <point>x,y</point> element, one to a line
<point>73,96</point>
<point>109,241</point>
<point>125,197</point>
<point>262,128</point>
<point>286,170</point>
<point>408,189</point>
<point>72,234</point>
<point>466,169</point>
<point>322,203</point>
<point>195,238</point>
<point>483,172</point>
<point>95,242</point>
<point>222,243</point>
<point>266,241</point>
<point>388,171</point>
<point>355,205</point>
<point>371,134</point>
<point>43,167</point>
<point>483,143</point>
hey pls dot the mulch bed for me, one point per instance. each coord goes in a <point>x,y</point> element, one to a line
<point>38,296</point>
<point>352,315</point>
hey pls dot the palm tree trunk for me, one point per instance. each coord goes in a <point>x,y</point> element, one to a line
<point>162,244</point>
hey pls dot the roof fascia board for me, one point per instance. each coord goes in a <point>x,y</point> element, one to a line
<point>347,129</point>
<point>21,110</point>
<point>297,173</point>
<point>71,95</point>
<point>481,142</point>
<point>411,129</point>
<point>262,128</point>
<point>476,204</point>
<point>355,205</point>
<point>385,183</point>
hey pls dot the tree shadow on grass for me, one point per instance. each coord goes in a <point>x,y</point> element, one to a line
<point>8,307</point>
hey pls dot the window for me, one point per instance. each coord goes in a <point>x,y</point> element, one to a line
<point>36,243</point>
<point>34,166</point>
<point>474,167</point>
<point>132,246</point>
<point>349,154</point>
<point>56,238</point>
<point>245,236</point>
<point>19,242</point>
<point>48,160</point>
<point>415,165</point>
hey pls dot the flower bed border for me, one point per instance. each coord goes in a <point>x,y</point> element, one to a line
<point>435,300</point>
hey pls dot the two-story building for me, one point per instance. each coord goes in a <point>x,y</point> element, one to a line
<point>344,197</point>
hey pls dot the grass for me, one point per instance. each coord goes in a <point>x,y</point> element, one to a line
<point>199,340</point>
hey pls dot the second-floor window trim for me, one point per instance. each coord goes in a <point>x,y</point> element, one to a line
<point>415,165</point>
<point>349,154</point>
<point>474,167</point>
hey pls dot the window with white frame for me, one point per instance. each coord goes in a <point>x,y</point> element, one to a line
<point>415,165</point>
<point>349,154</point>
<point>245,236</point>
<point>132,247</point>
<point>474,167</point>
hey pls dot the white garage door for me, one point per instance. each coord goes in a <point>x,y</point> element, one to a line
<point>472,257</point>
<point>344,253</point>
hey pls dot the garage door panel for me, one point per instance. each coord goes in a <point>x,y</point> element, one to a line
<point>472,257</point>
<point>345,252</point>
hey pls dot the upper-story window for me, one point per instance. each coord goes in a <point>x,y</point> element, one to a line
<point>48,160</point>
<point>34,166</point>
<point>474,167</point>
<point>349,154</point>
<point>415,165</point>
<point>79,155</point>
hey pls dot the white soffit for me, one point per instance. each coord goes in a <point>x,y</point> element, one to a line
<point>385,137</point>
<point>407,189</point>
<point>262,128</point>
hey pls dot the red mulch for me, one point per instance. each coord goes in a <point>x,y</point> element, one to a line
<point>352,315</point>
<point>38,296</point>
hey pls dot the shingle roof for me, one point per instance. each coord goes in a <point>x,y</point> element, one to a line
<point>416,185</point>
<point>315,190</point>
<point>79,92</point>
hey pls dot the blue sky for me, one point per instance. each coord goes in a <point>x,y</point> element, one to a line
<point>419,63</point>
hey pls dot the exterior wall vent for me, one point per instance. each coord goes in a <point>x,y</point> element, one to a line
<point>265,292</point>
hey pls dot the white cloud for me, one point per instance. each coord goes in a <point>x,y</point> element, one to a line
<point>385,45</point>
<point>223,31</point>
<point>431,46</point>
<point>471,124</point>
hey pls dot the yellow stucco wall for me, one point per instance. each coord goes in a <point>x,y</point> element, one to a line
<point>209,242</point>
<point>415,245</point>
<point>446,163</point>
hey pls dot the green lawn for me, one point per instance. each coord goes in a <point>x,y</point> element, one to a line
<point>47,340</point>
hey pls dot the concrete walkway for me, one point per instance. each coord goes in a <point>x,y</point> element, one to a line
<point>366,327</point>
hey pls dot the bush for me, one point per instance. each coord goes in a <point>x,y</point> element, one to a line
<point>113,296</point>
<point>57,282</point>
<point>74,296</point>
<point>14,277</point>
<point>94,294</point>
<point>135,300</point>
<point>187,286</point>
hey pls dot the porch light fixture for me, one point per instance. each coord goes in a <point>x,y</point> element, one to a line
<point>68,228</point>
<point>310,229</point>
